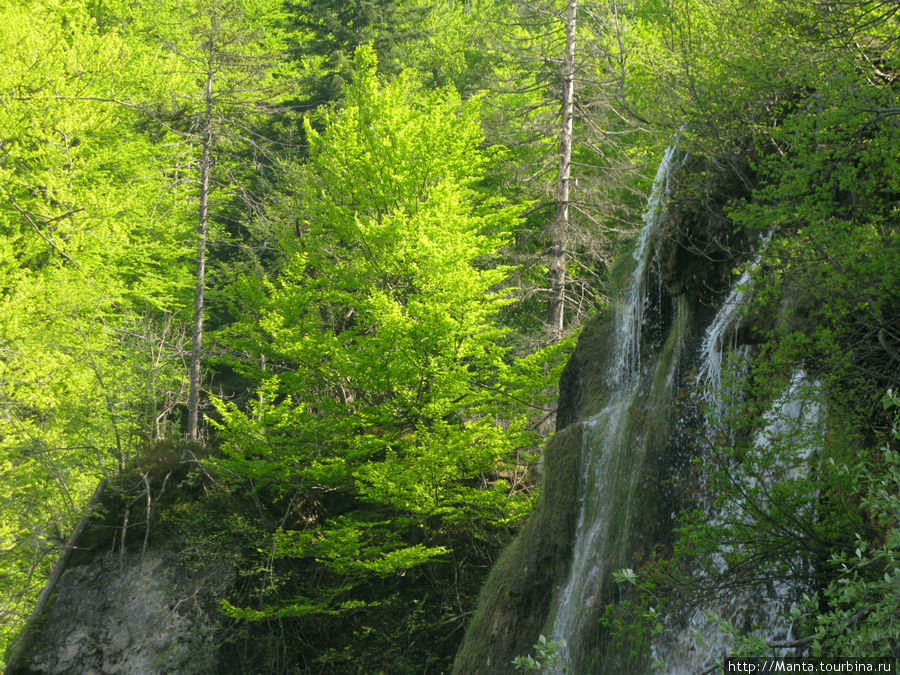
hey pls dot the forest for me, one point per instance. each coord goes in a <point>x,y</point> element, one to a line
<point>293,283</point>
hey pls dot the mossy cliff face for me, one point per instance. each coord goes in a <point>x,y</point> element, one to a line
<point>520,599</point>
<point>615,473</point>
<point>520,587</point>
<point>699,244</point>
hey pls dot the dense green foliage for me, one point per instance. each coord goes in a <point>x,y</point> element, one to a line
<point>801,490</point>
<point>380,173</point>
<point>91,282</point>
<point>390,430</point>
<point>430,421</point>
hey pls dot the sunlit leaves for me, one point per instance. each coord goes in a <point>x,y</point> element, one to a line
<point>384,408</point>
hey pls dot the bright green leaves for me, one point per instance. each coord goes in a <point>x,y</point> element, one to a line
<point>387,148</point>
<point>76,175</point>
<point>92,261</point>
<point>856,614</point>
<point>92,271</point>
<point>442,474</point>
<point>389,417</point>
<point>356,548</point>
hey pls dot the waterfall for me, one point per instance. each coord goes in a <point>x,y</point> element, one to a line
<point>720,337</point>
<point>622,475</point>
<point>581,594</point>
<point>793,421</point>
<point>630,316</point>
<point>606,439</point>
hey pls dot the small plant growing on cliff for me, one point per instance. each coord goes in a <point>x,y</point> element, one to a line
<point>549,655</point>
<point>636,619</point>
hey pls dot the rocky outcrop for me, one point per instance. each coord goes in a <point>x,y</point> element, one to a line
<point>130,614</point>
<point>699,245</point>
<point>132,591</point>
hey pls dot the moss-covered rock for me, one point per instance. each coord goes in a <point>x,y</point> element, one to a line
<point>700,244</point>
<point>515,599</point>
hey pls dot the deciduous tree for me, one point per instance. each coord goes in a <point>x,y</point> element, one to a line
<point>391,424</point>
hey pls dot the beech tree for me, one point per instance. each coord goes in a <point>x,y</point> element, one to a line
<point>390,424</point>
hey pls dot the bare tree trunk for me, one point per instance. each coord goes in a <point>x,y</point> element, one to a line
<point>200,278</point>
<point>559,227</point>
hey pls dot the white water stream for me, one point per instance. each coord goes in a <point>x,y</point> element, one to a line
<point>792,428</point>
<point>611,442</point>
<point>720,338</point>
<point>630,315</point>
<point>605,435</point>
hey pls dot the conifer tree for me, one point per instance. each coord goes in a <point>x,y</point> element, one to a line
<point>559,104</point>
<point>232,56</point>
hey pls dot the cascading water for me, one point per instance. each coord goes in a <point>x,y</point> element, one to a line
<point>630,317</point>
<point>720,338</point>
<point>641,381</point>
<point>793,424</point>
<point>606,437</point>
<point>582,590</point>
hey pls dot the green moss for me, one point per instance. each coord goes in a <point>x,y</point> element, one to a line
<point>583,389</point>
<point>22,648</point>
<point>516,596</point>
<point>516,602</point>
<point>167,466</point>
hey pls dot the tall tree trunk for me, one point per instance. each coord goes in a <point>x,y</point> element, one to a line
<point>559,227</point>
<point>200,279</point>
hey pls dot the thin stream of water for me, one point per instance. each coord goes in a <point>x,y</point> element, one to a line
<point>605,434</point>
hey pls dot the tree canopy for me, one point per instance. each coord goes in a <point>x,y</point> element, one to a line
<point>342,215</point>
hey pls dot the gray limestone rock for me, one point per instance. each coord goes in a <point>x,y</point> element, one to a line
<point>134,614</point>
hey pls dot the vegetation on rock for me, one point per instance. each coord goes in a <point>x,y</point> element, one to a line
<point>343,209</point>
